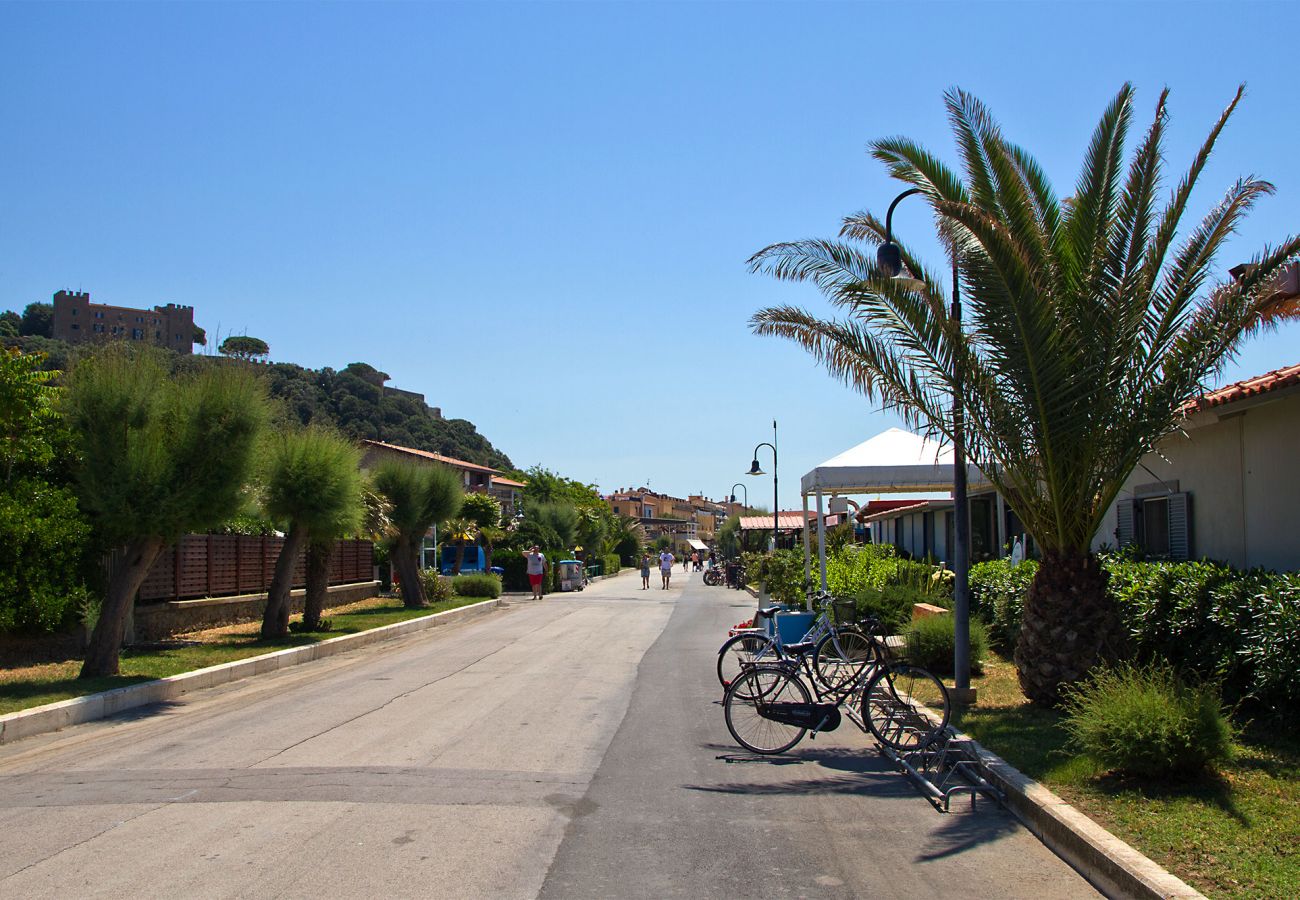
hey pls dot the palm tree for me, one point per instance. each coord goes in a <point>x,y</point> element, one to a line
<point>1090,324</point>
<point>461,531</point>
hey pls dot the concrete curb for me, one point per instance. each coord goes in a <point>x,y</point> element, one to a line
<point>1110,865</point>
<point>53,716</point>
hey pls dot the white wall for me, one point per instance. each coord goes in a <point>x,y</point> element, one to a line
<point>1241,465</point>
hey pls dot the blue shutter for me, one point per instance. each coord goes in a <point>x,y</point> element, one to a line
<point>1124,535</point>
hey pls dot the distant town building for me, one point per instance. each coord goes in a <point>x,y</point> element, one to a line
<point>689,524</point>
<point>78,321</point>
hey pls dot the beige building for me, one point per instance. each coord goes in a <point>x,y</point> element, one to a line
<point>1224,487</point>
<point>78,321</point>
<point>474,477</point>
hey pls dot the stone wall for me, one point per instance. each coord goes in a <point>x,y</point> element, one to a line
<point>157,621</point>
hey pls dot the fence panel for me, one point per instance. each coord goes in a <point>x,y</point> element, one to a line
<point>215,565</point>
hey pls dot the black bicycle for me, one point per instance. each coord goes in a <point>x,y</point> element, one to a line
<point>768,708</point>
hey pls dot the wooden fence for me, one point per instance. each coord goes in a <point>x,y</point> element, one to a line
<point>215,565</point>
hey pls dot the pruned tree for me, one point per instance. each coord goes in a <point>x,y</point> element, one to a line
<point>420,495</point>
<point>245,347</point>
<point>160,456</point>
<point>312,486</point>
<point>375,525</point>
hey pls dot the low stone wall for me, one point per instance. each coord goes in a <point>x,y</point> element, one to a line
<point>156,621</point>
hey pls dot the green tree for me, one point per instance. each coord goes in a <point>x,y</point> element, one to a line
<point>312,486</point>
<point>200,337</point>
<point>1088,328</point>
<point>38,320</point>
<point>420,496</point>
<point>10,323</point>
<point>26,410</point>
<point>560,518</point>
<point>477,512</point>
<point>160,456</point>
<point>245,347</point>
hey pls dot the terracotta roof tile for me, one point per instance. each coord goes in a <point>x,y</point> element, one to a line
<point>437,457</point>
<point>1250,387</point>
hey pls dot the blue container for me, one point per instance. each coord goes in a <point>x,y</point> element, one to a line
<point>791,626</point>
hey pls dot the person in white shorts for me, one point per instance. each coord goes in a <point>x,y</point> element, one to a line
<point>666,560</point>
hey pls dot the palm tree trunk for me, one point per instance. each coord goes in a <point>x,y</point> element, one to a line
<point>319,556</point>
<point>134,563</point>
<point>275,621</point>
<point>1069,627</point>
<point>405,559</point>
<point>460,556</point>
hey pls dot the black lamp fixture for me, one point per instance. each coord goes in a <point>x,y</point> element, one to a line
<point>743,487</point>
<point>889,258</point>
<point>754,469</point>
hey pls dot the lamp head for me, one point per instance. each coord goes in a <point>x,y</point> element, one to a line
<point>754,469</point>
<point>889,259</point>
<point>733,499</point>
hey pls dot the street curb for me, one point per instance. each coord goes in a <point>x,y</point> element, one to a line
<point>54,716</point>
<point>1111,865</point>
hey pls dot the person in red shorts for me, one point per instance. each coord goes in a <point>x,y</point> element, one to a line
<point>536,561</point>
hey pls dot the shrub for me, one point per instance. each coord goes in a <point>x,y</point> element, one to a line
<point>1146,721</point>
<point>515,569</point>
<point>997,596</point>
<point>42,546</point>
<point>1272,643</point>
<point>930,643</point>
<point>780,572</point>
<point>477,585</point>
<point>893,606</point>
<point>437,588</point>
<point>611,563</point>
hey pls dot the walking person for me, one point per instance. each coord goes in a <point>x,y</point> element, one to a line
<point>666,560</point>
<point>645,571</point>
<point>536,561</point>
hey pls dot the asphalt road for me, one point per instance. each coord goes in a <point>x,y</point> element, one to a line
<point>568,748</point>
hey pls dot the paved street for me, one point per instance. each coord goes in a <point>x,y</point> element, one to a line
<point>567,748</point>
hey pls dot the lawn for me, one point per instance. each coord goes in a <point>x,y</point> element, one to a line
<point>28,686</point>
<point>1230,835</point>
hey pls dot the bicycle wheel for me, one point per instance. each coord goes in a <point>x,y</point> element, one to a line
<point>841,657</point>
<point>742,651</point>
<point>745,699</point>
<point>905,707</point>
<point>712,577</point>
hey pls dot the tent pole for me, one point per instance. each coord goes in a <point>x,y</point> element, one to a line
<point>821,540</point>
<point>807,555</point>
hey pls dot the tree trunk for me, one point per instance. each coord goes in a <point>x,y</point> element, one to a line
<point>460,556</point>
<point>487,557</point>
<point>275,621</point>
<point>405,559</point>
<point>136,558</point>
<point>1070,625</point>
<point>319,556</point>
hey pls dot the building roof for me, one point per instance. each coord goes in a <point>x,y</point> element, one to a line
<point>914,506</point>
<point>1250,387</point>
<point>508,482</point>
<point>786,521</point>
<point>436,457</point>
<point>871,507</point>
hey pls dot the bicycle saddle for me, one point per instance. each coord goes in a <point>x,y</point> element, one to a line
<point>769,611</point>
<point>799,649</point>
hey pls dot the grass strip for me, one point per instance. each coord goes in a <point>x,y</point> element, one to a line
<point>1232,834</point>
<point>30,686</point>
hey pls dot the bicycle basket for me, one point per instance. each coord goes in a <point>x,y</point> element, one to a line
<point>845,611</point>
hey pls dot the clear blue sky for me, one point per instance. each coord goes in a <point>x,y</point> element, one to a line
<point>538,215</point>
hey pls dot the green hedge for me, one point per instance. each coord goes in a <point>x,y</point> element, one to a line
<point>1206,619</point>
<point>885,585</point>
<point>477,585</point>
<point>780,572</point>
<point>611,564</point>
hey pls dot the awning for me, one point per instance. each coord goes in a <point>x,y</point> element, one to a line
<point>786,521</point>
<point>697,545</point>
<point>894,460</point>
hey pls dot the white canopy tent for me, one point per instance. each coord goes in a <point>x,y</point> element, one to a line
<point>894,461</point>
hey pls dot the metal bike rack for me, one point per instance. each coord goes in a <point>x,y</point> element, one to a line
<point>942,770</point>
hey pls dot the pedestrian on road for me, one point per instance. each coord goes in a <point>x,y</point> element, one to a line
<point>686,564</point>
<point>666,560</point>
<point>645,571</point>
<point>536,570</point>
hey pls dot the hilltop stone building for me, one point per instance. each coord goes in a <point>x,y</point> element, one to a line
<point>78,321</point>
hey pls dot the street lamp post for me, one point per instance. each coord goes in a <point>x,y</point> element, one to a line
<point>755,470</point>
<point>889,259</point>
